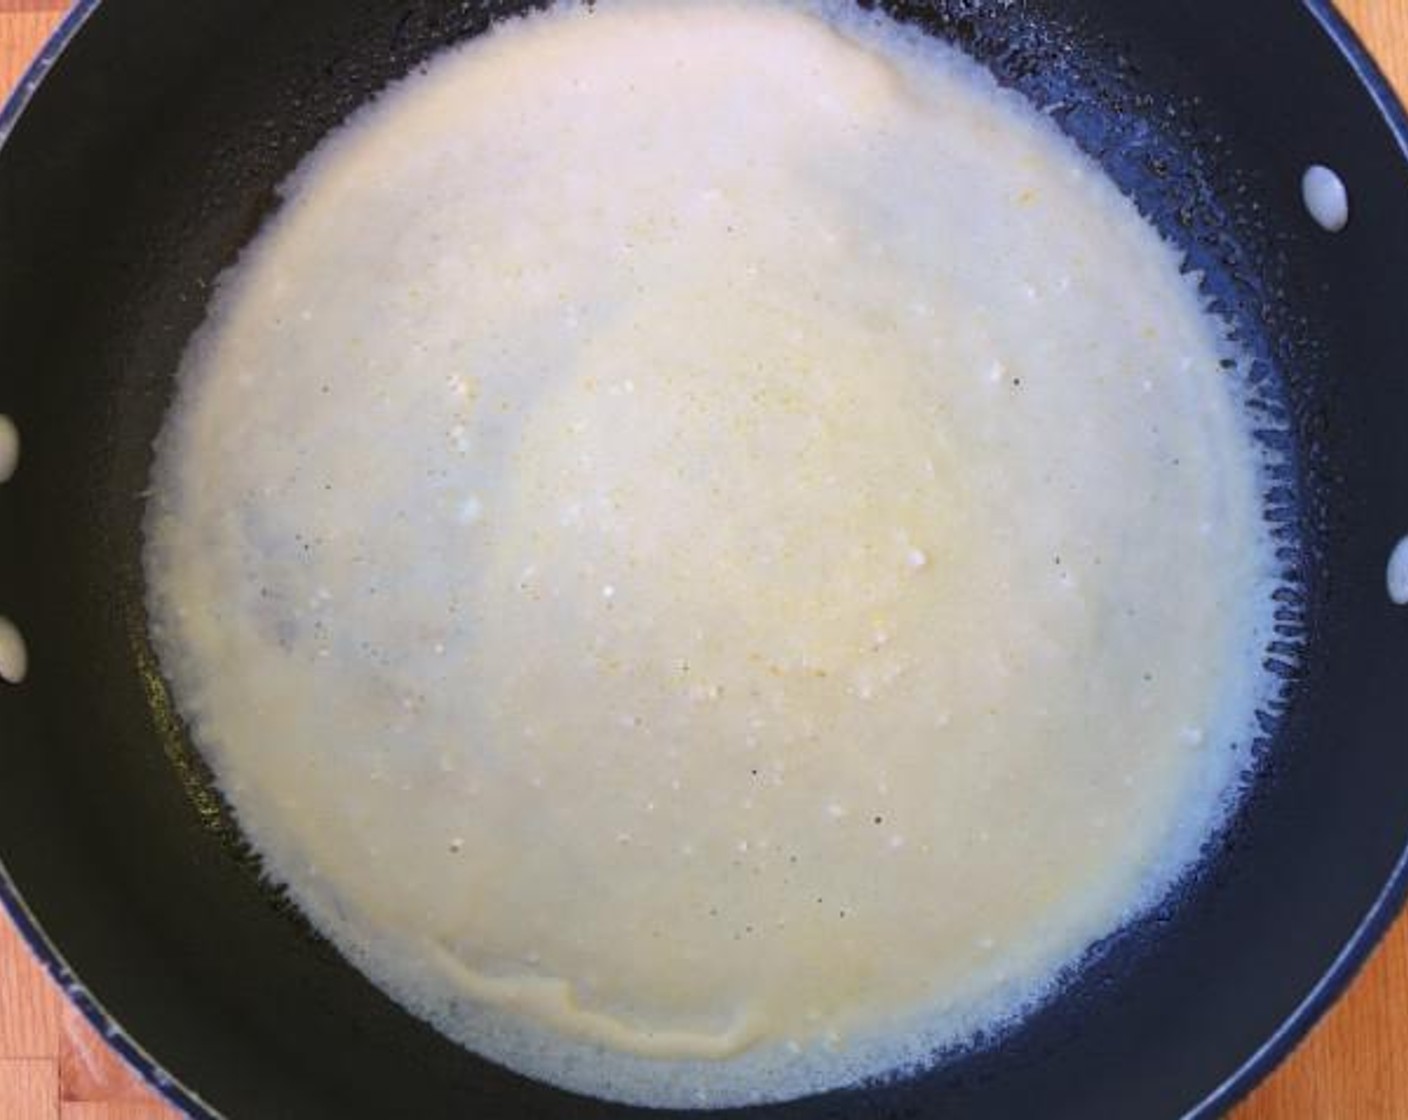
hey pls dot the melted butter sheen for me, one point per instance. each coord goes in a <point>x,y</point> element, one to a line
<point>710,549</point>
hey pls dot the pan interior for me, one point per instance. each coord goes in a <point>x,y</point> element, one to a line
<point>127,858</point>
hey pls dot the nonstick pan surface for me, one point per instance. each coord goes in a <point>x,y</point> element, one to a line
<point>149,154</point>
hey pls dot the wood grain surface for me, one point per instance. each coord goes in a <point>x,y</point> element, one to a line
<point>1354,1066</point>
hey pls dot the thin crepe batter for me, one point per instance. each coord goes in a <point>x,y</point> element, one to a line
<point>710,549</point>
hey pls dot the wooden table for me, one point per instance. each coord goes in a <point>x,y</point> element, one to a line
<point>1353,1067</point>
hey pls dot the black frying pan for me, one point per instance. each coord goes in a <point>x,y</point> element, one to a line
<point>149,155</point>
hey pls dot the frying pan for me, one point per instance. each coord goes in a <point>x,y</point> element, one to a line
<point>150,153</point>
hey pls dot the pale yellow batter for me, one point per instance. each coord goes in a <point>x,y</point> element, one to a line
<point>710,549</point>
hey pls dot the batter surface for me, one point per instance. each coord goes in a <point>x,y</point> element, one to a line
<point>710,549</point>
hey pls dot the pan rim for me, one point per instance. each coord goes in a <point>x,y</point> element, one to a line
<point>15,105</point>
<point>113,1034</point>
<point>1251,1070</point>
